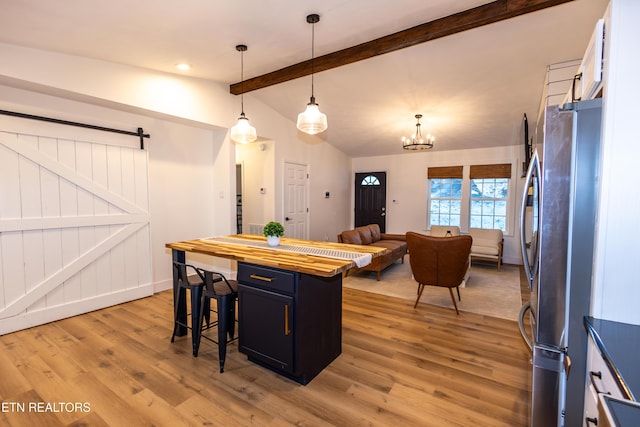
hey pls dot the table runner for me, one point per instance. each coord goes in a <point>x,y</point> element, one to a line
<point>358,258</point>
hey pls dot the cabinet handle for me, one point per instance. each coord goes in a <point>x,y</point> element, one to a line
<point>573,87</point>
<point>287,331</point>
<point>597,375</point>
<point>590,421</point>
<point>264,279</point>
<point>567,364</point>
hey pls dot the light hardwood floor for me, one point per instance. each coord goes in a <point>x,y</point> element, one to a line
<point>398,367</point>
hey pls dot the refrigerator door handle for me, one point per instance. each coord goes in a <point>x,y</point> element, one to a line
<point>526,307</point>
<point>533,172</point>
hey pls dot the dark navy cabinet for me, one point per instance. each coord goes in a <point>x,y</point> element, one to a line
<point>289,322</point>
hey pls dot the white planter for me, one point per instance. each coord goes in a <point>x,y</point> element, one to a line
<point>273,240</point>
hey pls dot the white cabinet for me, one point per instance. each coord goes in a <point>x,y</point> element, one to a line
<point>599,380</point>
<point>587,82</point>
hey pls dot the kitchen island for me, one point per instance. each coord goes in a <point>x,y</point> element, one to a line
<point>289,298</point>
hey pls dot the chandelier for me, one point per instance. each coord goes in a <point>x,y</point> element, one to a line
<point>242,132</point>
<point>312,121</point>
<point>417,141</point>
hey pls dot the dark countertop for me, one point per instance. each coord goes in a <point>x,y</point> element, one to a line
<point>619,345</point>
<point>624,413</point>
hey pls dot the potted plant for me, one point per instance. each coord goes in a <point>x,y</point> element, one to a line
<point>273,231</point>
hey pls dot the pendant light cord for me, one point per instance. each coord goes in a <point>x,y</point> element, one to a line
<point>242,82</point>
<point>313,34</point>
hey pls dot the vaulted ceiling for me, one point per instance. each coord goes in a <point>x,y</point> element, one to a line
<point>472,86</point>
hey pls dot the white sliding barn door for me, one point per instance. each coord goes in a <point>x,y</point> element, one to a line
<point>74,227</point>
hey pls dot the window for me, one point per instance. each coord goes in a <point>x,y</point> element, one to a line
<point>489,194</point>
<point>489,203</point>
<point>370,180</point>
<point>445,195</point>
<point>445,200</point>
<point>478,202</point>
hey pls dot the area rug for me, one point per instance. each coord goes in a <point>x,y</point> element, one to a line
<point>488,291</point>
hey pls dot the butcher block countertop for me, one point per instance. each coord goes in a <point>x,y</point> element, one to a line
<point>323,266</point>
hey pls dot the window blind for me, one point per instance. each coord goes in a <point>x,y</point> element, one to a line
<point>490,171</point>
<point>445,172</point>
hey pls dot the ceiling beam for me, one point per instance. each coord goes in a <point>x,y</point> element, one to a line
<point>466,20</point>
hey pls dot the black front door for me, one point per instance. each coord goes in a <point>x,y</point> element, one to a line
<point>371,196</point>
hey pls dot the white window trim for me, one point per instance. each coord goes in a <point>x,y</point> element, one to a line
<point>465,203</point>
<point>507,199</point>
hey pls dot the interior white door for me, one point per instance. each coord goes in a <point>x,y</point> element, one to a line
<point>296,210</point>
<point>74,226</point>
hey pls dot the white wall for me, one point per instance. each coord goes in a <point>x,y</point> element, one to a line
<point>407,185</point>
<point>330,171</point>
<point>258,170</point>
<point>616,286</point>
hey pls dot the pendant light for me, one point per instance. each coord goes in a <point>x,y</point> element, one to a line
<point>243,132</point>
<point>312,121</point>
<point>417,141</point>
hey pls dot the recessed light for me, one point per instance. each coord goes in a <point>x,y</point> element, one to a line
<point>183,67</point>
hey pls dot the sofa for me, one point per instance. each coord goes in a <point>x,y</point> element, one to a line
<point>444,230</point>
<point>487,245</point>
<point>371,235</point>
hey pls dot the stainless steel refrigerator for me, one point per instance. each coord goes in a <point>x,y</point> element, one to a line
<point>558,220</point>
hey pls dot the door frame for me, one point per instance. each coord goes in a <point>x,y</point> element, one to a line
<point>386,176</point>
<point>306,194</point>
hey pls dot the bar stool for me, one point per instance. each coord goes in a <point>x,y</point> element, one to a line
<point>194,283</point>
<point>225,292</point>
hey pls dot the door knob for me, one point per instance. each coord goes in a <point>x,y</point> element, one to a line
<point>286,218</point>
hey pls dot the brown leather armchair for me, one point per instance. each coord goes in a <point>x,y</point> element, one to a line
<point>439,261</point>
